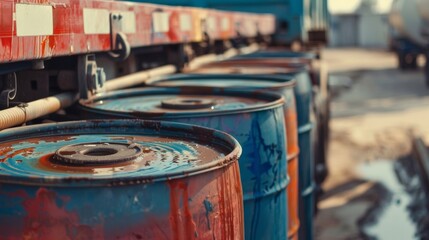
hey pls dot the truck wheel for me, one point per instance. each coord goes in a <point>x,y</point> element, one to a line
<point>427,69</point>
<point>411,61</point>
<point>401,61</point>
<point>407,61</point>
<point>427,77</point>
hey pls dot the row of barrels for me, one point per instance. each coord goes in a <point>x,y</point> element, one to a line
<point>223,152</point>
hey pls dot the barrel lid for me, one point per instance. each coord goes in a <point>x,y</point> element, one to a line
<point>297,64</point>
<point>227,81</point>
<point>111,152</point>
<point>165,103</point>
<point>243,69</point>
<point>278,53</point>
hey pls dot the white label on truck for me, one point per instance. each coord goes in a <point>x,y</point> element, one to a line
<point>160,21</point>
<point>34,20</point>
<point>185,22</point>
<point>128,22</point>
<point>211,24</point>
<point>225,24</point>
<point>96,21</point>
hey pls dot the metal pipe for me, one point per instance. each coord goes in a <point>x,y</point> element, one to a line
<point>138,77</point>
<point>25,112</point>
<point>206,59</point>
<point>202,60</point>
<point>249,49</point>
<point>229,54</point>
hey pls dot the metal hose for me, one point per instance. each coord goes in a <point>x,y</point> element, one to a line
<point>206,59</point>
<point>25,112</point>
<point>138,77</point>
<point>202,60</point>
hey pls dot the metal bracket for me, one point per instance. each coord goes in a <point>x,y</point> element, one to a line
<point>206,42</point>
<point>182,56</point>
<point>9,93</point>
<point>90,77</point>
<point>237,43</point>
<point>121,49</point>
<point>260,38</point>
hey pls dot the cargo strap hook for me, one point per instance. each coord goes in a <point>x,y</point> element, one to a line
<point>10,92</point>
<point>122,47</point>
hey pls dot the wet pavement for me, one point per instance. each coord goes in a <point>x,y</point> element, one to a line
<point>392,211</point>
<point>377,109</point>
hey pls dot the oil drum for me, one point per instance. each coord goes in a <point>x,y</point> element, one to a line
<point>310,138</point>
<point>119,179</point>
<point>277,55</point>
<point>280,53</point>
<point>255,82</point>
<point>261,62</point>
<point>254,119</point>
<point>242,69</point>
<point>321,94</point>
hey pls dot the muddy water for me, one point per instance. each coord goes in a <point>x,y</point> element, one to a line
<point>392,219</point>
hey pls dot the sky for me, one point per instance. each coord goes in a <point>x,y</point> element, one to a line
<point>347,6</point>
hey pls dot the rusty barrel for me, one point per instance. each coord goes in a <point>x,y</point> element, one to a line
<point>233,78</point>
<point>281,58</point>
<point>274,59</point>
<point>279,54</point>
<point>255,119</point>
<point>308,135</point>
<point>119,179</point>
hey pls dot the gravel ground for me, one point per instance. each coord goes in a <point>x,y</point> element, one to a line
<point>376,110</point>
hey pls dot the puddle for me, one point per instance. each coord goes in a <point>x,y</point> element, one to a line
<point>392,219</point>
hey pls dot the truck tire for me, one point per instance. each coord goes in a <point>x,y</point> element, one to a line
<point>426,69</point>
<point>401,61</point>
<point>407,61</point>
<point>411,61</point>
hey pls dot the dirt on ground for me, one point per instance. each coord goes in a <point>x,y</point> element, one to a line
<point>377,109</point>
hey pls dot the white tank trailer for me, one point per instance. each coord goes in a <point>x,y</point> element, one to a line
<point>409,19</point>
<point>423,7</point>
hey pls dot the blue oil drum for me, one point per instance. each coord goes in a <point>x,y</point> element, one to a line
<point>307,185</point>
<point>254,119</point>
<point>308,135</point>
<point>119,179</point>
<point>321,100</point>
<point>303,98</point>
<point>232,78</point>
<point>278,53</point>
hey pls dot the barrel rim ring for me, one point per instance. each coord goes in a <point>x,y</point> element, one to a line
<point>276,53</point>
<point>304,65</point>
<point>147,127</point>
<point>290,82</point>
<point>276,59</point>
<point>275,100</point>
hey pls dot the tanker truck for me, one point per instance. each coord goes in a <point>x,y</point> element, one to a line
<point>407,40</point>
<point>423,7</point>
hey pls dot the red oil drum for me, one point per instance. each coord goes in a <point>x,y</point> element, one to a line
<point>119,179</point>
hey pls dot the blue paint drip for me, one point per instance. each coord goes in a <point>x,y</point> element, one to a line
<point>209,208</point>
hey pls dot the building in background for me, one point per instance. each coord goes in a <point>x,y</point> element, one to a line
<point>363,27</point>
